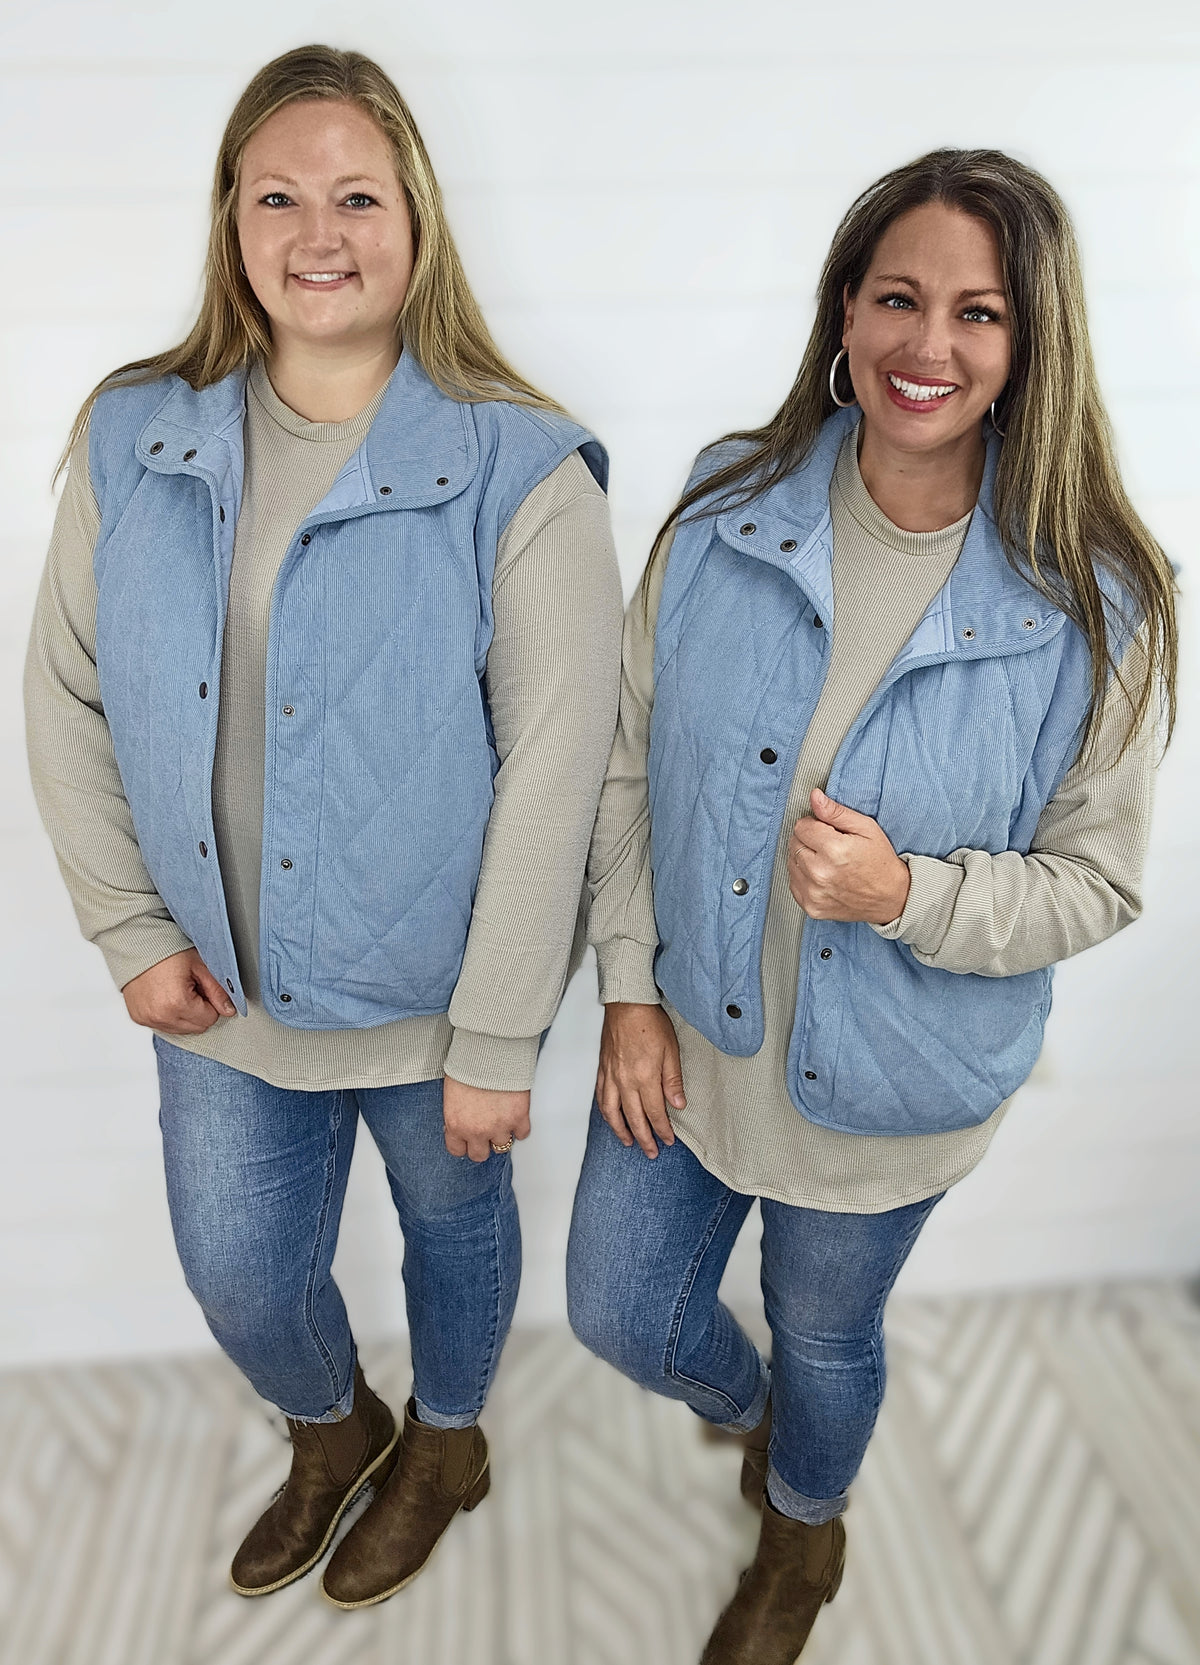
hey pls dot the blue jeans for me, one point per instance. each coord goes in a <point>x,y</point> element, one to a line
<point>649,1243</point>
<point>256,1178</point>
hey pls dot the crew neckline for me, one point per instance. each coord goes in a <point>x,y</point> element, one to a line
<point>320,433</point>
<point>858,502</point>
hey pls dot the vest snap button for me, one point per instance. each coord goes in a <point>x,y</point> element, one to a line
<point>229,984</point>
<point>740,887</point>
<point>385,491</point>
<point>156,447</point>
<point>289,710</point>
<point>769,756</point>
<point>286,999</point>
<point>788,545</point>
<point>204,690</point>
<point>810,1075</point>
<point>221,512</point>
<point>203,848</point>
<point>1029,624</point>
<point>748,530</point>
<point>734,1011</point>
<point>827,953</point>
<point>968,634</point>
<point>285,862</point>
<point>442,480</point>
<point>188,455</point>
<point>818,621</point>
<point>307,538</point>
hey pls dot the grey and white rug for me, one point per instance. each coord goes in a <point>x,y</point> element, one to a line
<point>1032,1497</point>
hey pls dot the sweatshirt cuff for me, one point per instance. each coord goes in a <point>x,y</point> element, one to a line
<point>625,969</point>
<point>496,1063</point>
<point>136,944</point>
<point>930,906</point>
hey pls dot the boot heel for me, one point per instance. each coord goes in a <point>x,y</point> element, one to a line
<point>478,1491</point>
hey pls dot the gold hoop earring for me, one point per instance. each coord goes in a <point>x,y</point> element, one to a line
<point>833,392</point>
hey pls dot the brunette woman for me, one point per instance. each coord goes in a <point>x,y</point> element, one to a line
<point>885,754</point>
<point>323,680</point>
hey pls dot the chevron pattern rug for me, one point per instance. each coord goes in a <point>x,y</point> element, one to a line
<point>1032,1497</point>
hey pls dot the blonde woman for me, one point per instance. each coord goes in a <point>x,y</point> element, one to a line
<point>322,684</point>
<point>886,746</point>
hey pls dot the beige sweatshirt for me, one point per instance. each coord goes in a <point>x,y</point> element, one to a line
<point>552,683</point>
<point>971,912</point>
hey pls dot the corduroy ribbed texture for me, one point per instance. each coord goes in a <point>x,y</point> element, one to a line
<point>552,688</point>
<point>969,912</point>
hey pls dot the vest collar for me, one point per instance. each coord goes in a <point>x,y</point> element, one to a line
<point>421,448</point>
<point>985,608</point>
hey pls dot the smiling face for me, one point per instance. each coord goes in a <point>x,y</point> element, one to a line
<point>325,232</point>
<point>928,332</point>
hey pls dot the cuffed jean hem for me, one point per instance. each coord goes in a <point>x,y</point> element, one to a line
<point>813,1511</point>
<point>338,1413</point>
<point>753,1415</point>
<point>438,1419</point>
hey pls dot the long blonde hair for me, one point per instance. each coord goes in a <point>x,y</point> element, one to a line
<point>440,320</point>
<point>1060,506</point>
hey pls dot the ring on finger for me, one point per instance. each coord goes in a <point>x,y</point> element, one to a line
<point>500,1150</point>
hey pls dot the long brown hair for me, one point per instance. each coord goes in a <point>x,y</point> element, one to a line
<point>440,320</point>
<point>1060,506</point>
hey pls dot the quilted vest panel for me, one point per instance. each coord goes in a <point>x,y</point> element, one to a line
<point>961,746</point>
<point>380,758</point>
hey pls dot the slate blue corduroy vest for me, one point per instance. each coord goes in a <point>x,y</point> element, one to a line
<point>962,746</point>
<point>379,755</point>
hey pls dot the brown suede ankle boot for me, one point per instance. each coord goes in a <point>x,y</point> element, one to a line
<point>755,1461</point>
<point>331,1462</point>
<point>438,1472</point>
<point>795,1570</point>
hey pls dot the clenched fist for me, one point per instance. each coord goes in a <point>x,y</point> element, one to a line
<point>841,865</point>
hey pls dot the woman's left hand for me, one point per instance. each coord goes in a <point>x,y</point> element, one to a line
<point>478,1119</point>
<point>841,865</point>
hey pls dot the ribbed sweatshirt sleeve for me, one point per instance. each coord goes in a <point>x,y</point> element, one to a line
<point>72,762</point>
<point>553,676</point>
<point>1081,882</point>
<point>621,923</point>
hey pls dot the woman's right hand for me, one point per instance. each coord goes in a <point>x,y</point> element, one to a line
<point>639,1075</point>
<point>179,995</point>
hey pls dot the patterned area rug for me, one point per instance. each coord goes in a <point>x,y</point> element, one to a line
<point>1032,1497</point>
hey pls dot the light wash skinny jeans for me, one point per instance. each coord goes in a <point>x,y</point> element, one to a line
<point>256,1178</point>
<point>649,1243</point>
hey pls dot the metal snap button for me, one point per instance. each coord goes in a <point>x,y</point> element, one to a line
<point>307,538</point>
<point>229,984</point>
<point>788,545</point>
<point>156,447</point>
<point>968,634</point>
<point>203,848</point>
<point>748,530</point>
<point>188,455</point>
<point>818,621</point>
<point>442,480</point>
<point>284,862</point>
<point>734,1011</point>
<point>1029,624</point>
<point>204,690</point>
<point>289,710</point>
<point>286,999</point>
<point>810,1075</point>
<point>769,756</point>
<point>740,886</point>
<point>221,512</point>
<point>385,491</point>
<point>827,953</point>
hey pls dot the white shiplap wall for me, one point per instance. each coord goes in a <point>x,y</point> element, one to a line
<point>642,192</point>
